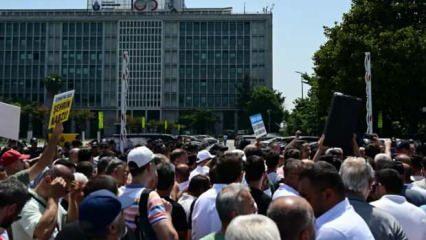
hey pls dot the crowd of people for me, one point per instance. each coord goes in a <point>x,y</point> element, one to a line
<point>182,191</point>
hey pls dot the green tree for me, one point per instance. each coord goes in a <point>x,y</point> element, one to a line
<point>53,83</point>
<point>199,120</point>
<point>305,115</point>
<point>81,116</point>
<point>394,32</point>
<point>269,103</point>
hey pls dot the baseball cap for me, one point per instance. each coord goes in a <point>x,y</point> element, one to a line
<point>12,156</point>
<point>141,156</point>
<point>218,147</point>
<point>204,155</point>
<point>100,208</point>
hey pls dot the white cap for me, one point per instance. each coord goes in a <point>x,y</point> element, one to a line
<point>204,155</point>
<point>140,155</point>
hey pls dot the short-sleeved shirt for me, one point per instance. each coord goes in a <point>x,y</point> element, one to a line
<point>31,215</point>
<point>214,236</point>
<point>156,210</point>
<point>23,176</point>
<point>179,219</point>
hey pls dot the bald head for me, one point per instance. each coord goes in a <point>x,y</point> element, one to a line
<point>294,217</point>
<point>404,158</point>
<point>182,172</point>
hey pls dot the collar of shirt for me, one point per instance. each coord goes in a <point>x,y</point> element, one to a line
<point>288,188</point>
<point>354,197</point>
<point>394,198</point>
<point>134,185</point>
<point>333,213</point>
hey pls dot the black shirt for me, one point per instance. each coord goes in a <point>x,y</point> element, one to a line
<point>71,231</point>
<point>262,200</point>
<point>178,216</point>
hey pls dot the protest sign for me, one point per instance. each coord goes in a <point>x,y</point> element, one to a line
<point>61,108</point>
<point>258,125</point>
<point>9,121</point>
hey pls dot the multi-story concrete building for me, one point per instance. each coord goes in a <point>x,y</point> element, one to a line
<point>180,58</point>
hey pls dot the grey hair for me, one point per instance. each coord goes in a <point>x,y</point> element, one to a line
<point>356,174</point>
<point>230,200</point>
<point>252,227</point>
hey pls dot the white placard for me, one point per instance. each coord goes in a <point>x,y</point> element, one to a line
<point>258,125</point>
<point>9,121</point>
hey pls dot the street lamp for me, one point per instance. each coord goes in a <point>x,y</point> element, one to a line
<point>302,81</point>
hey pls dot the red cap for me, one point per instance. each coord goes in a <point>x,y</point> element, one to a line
<point>12,156</point>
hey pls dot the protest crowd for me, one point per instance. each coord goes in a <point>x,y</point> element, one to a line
<point>183,191</point>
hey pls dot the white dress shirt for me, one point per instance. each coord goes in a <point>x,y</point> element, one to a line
<point>199,170</point>
<point>411,218</point>
<point>205,218</point>
<point>285,190</point>
<point>186,201</point>
<point>342,222</point>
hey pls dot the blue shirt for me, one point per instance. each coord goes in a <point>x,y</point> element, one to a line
<point>342,222</point>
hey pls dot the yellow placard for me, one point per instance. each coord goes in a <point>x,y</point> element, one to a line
<point>61,108</point>
<point>66,137</point>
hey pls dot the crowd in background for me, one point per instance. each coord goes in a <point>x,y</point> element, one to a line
<point>184,191</point>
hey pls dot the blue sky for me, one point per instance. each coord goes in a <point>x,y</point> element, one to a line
<point>298,30</point>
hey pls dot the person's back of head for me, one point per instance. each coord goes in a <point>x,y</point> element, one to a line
<point>182,172</point>
<point>381,157</point>
<point>292,169</point>
<point>160,158</point>
<point>272,160</point>
<point>294,217</point>
<point>84,154</point>
<point>234,200</point>
<point>254,168</point>
<point>332,159</point>
<point>166,177</point>
<point>357,176</point>
<point>251,150</point>
<point>176,154</point>
<point>86,168</point>
<point>198,185</point>
<point>322,187</point>
<point>372,149</point>
<point>13,195</point>
<point>390,181</point>
<point>292,153</point>
<point>139,161</point>
<point>417,164</point>
<point>99,183</point>
<point>252,227</point>
<point>229,169</point>
<point>103,164</point>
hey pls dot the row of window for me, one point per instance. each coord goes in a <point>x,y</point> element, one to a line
<point>23,28</point>
<point>217,28</point>
<point>215,101</point>
<point>215,57</point>
<point>224,42</point>
<point>84,29</point>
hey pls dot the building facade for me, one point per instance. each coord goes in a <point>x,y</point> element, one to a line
<point>179,60</point>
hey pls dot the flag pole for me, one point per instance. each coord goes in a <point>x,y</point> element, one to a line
<point>124,86</point>
<point>369,102</point>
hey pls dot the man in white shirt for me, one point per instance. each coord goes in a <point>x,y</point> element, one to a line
<point>42,216</point>
<point>323,188</point>
<point>203,157</point>
<point>292,170</point>
<point>412,219</point>
<point>205,218</point>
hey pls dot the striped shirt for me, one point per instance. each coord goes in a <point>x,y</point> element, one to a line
<point>156,209</point>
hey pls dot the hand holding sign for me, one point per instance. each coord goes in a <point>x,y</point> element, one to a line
<point>61,108</point>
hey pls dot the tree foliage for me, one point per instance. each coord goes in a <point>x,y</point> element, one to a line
<point>394,32</point>
<point>199,120</point>
<point>53,83</point>
<point>262,100</point>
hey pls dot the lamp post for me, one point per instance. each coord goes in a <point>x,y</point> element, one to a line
<point>302,81</point>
